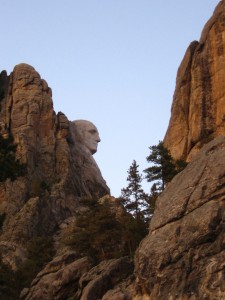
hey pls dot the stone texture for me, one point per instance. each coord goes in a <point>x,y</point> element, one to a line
<point>122,291</point>
<point>183,257</point>
<point>59,279</point>
<point>67,276</point>
<point>95,283</point>
<point>198,111</point>
<point>59,171</point>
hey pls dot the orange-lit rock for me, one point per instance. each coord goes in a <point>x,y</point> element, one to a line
<point>198,109</point>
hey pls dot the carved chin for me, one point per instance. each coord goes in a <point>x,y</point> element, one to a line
<point>93,151</point>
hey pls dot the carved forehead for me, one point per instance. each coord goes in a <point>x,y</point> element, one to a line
<point>84,125</point>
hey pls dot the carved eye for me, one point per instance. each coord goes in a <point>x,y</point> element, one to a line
<point>92,131</point>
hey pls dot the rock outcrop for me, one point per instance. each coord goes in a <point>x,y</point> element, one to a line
<point>198,110</point>
<point>66,276</point>
<point>59,279</point>
<point>59,171</point>
<point>183,257</point>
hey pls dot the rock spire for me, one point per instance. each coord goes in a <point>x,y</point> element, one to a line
<point>198,110</point>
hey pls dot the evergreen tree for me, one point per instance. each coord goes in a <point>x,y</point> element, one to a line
<point>164,168</point>
<point>9,289</point>
<point>10,167</point>
<point>133,197</point>
<point>154,193</point>
<point>40,251</point>
<point>102,234</point>
<point>133,231</point>
<point>97,232</point>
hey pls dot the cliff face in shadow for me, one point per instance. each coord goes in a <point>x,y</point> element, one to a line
<point>183,257</point>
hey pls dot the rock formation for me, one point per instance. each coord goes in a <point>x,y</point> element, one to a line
<point>198,110</point>
<point>45,202</point>
<point>68,275</point>
<point>183,257</point>
<point>59,171</point>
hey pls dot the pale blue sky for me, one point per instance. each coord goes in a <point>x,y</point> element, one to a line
<point>112,62</point>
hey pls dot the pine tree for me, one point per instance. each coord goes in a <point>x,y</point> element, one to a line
<point>97,232</point>
<point>10,167</point>
<point>134,199</point>
<point>164,168</point>
<point>154,193</point>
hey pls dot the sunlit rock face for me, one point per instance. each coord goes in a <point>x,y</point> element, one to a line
<point>198,110</point>
<point>60,168</point>
<point>183,256</point>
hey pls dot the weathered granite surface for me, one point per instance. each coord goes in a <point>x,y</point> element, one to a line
<point>59,169</point>
<point>67,276</point>
<point>183,257</point>
<point>59,279</point>
<point>198,110</point>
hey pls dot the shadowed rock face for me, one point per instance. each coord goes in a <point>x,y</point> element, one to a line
<point>198,110</point>
<point>59,170</point>
<point>67,275</point>
<point>183,257</point>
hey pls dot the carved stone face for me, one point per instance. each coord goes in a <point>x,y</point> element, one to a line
<point>89,134</point>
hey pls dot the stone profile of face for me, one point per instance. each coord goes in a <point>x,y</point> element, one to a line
<point>88,134</point>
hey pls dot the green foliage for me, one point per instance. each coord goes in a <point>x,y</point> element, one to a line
<point>2,219</point>
<point>2,94</point>
<point>45,186</point>
<point>8,284</point>
<point>180,165</point>
<point>38,187</point>
<point>164,168</point>
<point>10,167</point>
<point>154,193</point>
<point>101,235</point>
<point>40,252</point>
<point>133,197</point>
<point>133,231</point>
<point>97,233</point>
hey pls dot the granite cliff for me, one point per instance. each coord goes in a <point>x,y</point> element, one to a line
<point>43,204</point>
<point>198,111</point>
<point>183,256</point>
<point>59,172</point>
